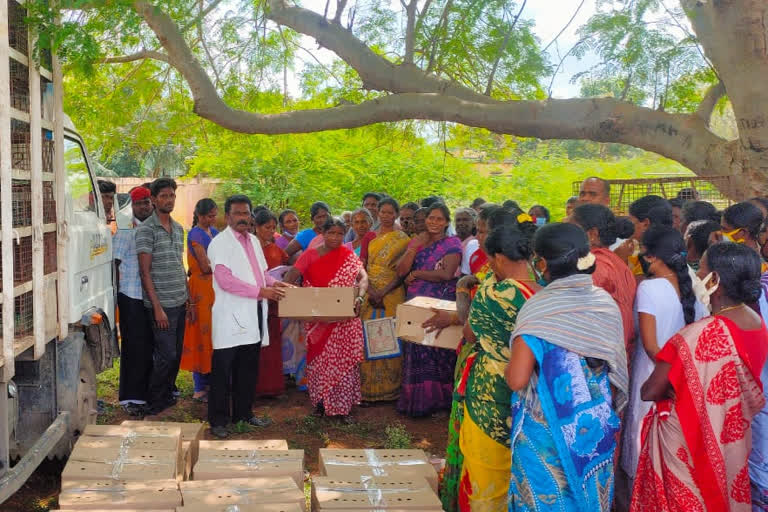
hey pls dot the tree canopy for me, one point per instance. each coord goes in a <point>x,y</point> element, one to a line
<point>474,67</point>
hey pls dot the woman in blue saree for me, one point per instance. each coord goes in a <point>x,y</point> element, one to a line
<point>568,371</point>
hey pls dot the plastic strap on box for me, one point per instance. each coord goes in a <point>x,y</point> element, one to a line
<point>375,495</point>
<point>377,465</point>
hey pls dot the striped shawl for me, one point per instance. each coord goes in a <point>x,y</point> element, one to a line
<point>574,314</point>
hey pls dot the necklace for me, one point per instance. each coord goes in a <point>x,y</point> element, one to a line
<point>670,274</point>
<point>730,308</point>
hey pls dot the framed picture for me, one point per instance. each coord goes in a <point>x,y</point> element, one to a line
<point>380,339</point>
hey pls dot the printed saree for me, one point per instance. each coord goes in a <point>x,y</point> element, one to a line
<point>563,435</point>
<point>484,435</point>
<point>428,371</point>
<point>695,447</point>
<point>334,349</point>
<point>380,379</point>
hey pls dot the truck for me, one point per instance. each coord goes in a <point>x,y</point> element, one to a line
<point>57,310</point>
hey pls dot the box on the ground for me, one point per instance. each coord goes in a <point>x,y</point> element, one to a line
<point>266,507</point>
<point>324,304</point>
<point>186,458</point>
<point>242,491</point>
<point>412,314</point>
<point>373,493</point>
<point>350,464</point>
<point>126,453</point>
<point>120,495</point>
<point>190,432</point>
<point>122,510</point>
<point>219,464</point>
<point>245,444</point>
<point>120,464</point>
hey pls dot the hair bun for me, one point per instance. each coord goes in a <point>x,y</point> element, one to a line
<point>624,228</point>
<point>750,290</point>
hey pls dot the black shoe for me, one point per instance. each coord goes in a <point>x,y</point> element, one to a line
<point>220,432</point>
<point>134,410</point>
<point>156,409</point>
<point>257,421</point>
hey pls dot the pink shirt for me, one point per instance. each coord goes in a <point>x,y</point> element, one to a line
<point>229,283</point>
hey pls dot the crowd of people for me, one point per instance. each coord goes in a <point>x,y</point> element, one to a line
<point>605,362</point>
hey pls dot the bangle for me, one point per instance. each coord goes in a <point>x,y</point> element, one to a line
<point>463,289</point>
<point>359,298</point>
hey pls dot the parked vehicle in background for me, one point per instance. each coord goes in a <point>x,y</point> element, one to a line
<point>58,300</point>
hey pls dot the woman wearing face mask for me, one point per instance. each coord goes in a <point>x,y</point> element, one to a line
<point>665,303</point>
<point>699,236</point>
<point>645,212</point>
<point>568,374</point>
<point>742,223</point>
<point>706,388</point>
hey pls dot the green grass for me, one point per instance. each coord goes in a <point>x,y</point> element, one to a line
<point>108,383</point>
<point>397,437</point>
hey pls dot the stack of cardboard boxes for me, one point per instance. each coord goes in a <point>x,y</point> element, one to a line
<point>167,467</point>
<point>365,480</point>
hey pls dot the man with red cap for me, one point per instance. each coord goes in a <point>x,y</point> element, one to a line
<point>136,327</point>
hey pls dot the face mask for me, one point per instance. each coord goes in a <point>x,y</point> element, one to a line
<point>731,235</point>
<point>540,221</point>
<point>701,291</point>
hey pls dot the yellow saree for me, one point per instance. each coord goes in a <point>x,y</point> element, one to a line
<point>380,379</point>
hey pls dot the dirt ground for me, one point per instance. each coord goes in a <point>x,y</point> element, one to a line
<point>376,427</point>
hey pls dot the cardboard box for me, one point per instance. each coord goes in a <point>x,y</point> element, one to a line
<point>120,464</point>
<point>243,491</point>
<point>142,429</point>
<point>245,444</point>
<point>222,464</point>
<point>325,304</point>
<point>123,510</point>
<point>186,457</point>
<point>125,453</point>
<point>120,495</point>
<point>373,493</point>
<point>412,314</point>
<point>269,507</point>
<point>350,464</point>
<point>190,432</point>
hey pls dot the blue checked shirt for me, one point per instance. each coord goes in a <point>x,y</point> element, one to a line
<point>124,249</point>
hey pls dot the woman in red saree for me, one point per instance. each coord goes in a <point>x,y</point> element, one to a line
<point>271,381</point>
<point>334,349</point>
<point>707,389</point>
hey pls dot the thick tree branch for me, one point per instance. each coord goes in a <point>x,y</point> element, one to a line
<point>340,6</point>
<point>502,49</point>
<point>376,72</point>
<point>708,104</point>
<point>143,54</point>
<point>410,27</point>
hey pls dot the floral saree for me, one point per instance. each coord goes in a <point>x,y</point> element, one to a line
<point>484,434</point>
<point>334,349</point>
<point>695,446</point>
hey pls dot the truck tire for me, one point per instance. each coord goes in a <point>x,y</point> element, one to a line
<point>86,407</point>
<point>76,390</point>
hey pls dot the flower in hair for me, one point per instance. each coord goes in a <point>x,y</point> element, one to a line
<point>586,262</point>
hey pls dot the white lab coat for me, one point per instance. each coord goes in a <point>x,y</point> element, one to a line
<point>235,319</point>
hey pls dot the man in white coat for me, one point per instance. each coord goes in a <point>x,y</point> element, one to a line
<point>242,289</point>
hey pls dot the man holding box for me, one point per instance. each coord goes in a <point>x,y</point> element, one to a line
<point>242,288</point>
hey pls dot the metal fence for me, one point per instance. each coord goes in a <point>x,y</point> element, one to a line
<point>624,192</point>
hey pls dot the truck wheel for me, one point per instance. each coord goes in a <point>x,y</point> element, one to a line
<point>86,407</point>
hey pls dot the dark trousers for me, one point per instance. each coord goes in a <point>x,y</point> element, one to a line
<point>135,349</point>
<point>233,377</point>
<point>166,356</point>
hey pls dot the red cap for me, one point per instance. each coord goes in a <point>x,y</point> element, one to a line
<point>139,193</point>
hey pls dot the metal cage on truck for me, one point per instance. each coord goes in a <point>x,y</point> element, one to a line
<point>49,329</point>
<point>624,192</point>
